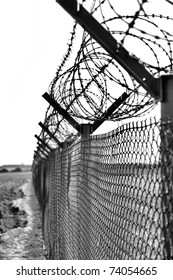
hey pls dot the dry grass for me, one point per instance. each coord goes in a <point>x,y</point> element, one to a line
<point>14,179</point>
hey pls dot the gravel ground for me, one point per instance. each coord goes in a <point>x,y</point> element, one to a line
<point>20,220</point>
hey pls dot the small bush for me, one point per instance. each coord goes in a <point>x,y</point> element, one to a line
<point>17,169</point>
<point>4,170</point>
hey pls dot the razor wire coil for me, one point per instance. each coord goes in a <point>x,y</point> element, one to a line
<point>89,80</point>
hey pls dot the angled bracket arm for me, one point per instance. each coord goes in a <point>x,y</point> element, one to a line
<point>49,133</point>
<point>118,52</point>
<point>36,155</point>
<point>46,148</point>
<point>109,111</point>
<point>61,111</point>
<point>42,151</point>
<point>42,142</point>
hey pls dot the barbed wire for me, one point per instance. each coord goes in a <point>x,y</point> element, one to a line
<point>170,2</point>
<point>95,80</point>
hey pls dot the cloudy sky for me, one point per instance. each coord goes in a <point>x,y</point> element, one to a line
<point>33,36</point>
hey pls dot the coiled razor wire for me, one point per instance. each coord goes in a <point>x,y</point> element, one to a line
<point>94,80</point>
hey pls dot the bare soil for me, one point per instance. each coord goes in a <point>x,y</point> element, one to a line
<point>20,219</point>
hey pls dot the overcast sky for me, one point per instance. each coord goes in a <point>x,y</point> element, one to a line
<point>33,36</point>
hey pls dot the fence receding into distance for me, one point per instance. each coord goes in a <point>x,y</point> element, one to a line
<point>109,196</point>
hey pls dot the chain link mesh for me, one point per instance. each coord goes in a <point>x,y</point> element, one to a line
<point>110,196</point>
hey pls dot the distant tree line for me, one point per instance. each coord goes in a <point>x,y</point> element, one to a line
<point>17,169</point>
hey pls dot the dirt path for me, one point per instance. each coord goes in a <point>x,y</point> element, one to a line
<point>20,224</point>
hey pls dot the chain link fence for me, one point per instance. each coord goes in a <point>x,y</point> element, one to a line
<point>110,196</point>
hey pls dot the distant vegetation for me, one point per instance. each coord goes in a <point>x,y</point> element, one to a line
<point>15,168</point>
<point>4,170</point>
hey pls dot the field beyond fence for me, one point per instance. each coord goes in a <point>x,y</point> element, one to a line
<point>109,196</point>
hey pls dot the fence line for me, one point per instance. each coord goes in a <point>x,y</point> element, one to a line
<point>109,196</point>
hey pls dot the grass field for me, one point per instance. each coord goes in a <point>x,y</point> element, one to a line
<point>14,179</point>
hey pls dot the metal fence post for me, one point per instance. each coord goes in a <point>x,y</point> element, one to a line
<point>85,131</point>
<point>84,196</point>
<point>166,135</point>
<point>167,96</point>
